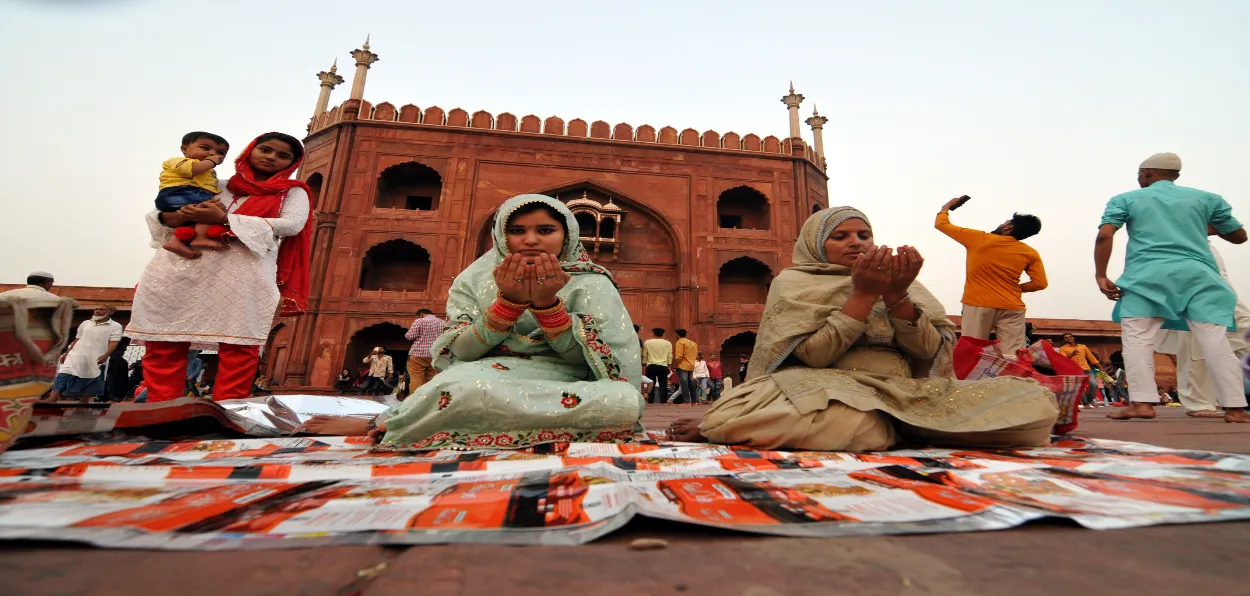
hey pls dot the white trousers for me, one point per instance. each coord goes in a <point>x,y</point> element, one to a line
<point>1194,385</point>
<point>1138,336</point>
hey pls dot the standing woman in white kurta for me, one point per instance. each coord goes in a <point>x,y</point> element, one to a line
<point>228,297</point>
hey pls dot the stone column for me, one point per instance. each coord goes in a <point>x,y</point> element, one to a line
<point>364,58</point>
<point>792,102</point>
<point>817,122</point>
<point>329,80</point>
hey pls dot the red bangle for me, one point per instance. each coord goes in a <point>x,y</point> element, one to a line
<point>501,316</point>
<point>553,320</point>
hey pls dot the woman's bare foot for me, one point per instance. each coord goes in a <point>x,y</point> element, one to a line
<point>207,244</point>
<point>176,246</point>
<point>1204,414</point>
<point>686,430</point>
<point>1141,410</point>
<point>1238,415</point>
<point>335,425</point>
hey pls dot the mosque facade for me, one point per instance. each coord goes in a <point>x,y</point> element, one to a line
<point>693,225</point>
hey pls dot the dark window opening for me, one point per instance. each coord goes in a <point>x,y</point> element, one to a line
<point>743,207</point>
<point>419,203</point>
<point>410,185</point>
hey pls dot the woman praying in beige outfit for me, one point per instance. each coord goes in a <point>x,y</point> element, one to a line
<point>853,354</point>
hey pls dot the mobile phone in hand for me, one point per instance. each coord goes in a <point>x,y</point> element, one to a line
<point>962,200</point>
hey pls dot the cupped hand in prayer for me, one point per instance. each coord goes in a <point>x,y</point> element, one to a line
<point>512,277</point>
<point>548,278</point>
<point>906,266</point>
<point>872,273</point>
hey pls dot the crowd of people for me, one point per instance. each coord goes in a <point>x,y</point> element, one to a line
<point>852,352</point>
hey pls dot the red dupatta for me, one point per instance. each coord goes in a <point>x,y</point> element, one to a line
<point>264,199</point>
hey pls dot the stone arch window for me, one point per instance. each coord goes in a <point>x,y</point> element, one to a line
<point>314,184</point>
<point>598,222</point>
<point>742,208</point>
<point>744,280</point>
<point>410,185</point>
<point>395,266</point>
<point>389,336</point>
<point>741,344</point>
<point>587,223</point>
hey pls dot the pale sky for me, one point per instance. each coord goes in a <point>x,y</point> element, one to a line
<point>1035,107</point>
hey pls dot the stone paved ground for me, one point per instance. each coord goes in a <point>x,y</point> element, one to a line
<point>1045,558</point>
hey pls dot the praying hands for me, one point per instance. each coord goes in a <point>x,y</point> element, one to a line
<point>880,274</point>
<point>530,280</point>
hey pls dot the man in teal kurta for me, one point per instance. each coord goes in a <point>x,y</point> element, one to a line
<point>1171,279</point>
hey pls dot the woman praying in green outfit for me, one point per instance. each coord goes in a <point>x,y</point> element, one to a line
<point>538,348</point>
<point>853,353</point>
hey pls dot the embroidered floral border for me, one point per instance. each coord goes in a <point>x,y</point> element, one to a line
<point>600,348</point>
<point>514,439</point>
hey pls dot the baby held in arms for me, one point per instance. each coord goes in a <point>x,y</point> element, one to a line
<point>190,180</point>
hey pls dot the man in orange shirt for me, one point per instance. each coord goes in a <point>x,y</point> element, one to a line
<point>685,354</point>
<point>992,289</point>
<point>1085,359</point>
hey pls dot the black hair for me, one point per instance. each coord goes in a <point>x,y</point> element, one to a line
<point>37,280</point>
<point>424,312</point>
<point>681,333</point>
<point>637,328</point>
<point>1025,226</point>
<point>192,137</point>
<point>537,206</point>
<point>658,332</point>
<point>297,148</point>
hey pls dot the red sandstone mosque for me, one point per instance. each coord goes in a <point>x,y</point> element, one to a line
<point>694,225</point>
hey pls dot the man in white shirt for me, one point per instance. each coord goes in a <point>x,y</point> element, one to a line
<point>79,375</point>
<point>1194,384</point>
<point>37,286</point>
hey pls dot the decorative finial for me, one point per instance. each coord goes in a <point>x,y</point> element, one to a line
<point>334,67</point>
<point>791,87</point>
<point>367,36</point>
<point>814,111</point>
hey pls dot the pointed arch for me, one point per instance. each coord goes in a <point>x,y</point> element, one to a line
<point>410,185</point>
<point>395,266</point>
<point>742,208</point>
<point>386,335</point>
<point>744,280</point>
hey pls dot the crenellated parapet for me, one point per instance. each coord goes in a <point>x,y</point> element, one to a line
<point>579,128</point>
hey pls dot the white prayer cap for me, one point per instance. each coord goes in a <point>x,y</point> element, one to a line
<point>43,274</point>
<point>1162,161</point>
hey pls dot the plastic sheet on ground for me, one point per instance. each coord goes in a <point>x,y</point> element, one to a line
<point>291,492</point>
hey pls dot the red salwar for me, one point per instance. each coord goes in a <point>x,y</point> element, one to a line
<point>165,370</point>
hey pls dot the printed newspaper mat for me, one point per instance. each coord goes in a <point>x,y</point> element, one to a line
<point>292,492</point>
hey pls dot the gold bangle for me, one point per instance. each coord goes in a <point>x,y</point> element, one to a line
<point>506,302</point>
<point>554,332</point>
<point>559,305</point>
<point>493,323</point>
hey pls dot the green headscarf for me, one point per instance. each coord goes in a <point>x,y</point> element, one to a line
<point>601,322</point>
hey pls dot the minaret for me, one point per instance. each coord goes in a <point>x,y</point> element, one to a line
<point>817,122</point>
<point>792,102</point>
<point>329,80</point>
<point>363,59</point>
